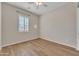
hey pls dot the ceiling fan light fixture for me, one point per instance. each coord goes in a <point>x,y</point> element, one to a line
<point>39,3</point>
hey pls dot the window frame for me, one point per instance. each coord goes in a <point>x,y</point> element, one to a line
<point>26,26</point>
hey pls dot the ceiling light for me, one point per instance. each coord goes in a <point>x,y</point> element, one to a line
<point>39,3</point>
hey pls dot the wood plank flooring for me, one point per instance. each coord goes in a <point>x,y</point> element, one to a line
<point>38,47</point>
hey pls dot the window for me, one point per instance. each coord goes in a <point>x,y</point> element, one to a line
<point>23,23</point>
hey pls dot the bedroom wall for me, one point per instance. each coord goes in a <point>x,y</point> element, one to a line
<point>10,34</point>
<point>0,24</point>
<point>77,27</point>
<point>59,25</point>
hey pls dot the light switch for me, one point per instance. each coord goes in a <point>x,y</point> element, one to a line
<point>35,26</point>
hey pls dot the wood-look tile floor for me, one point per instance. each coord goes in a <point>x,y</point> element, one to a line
<point>38,47</point>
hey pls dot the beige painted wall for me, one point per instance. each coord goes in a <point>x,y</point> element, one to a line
<point>59,25</point>
<point>0,25</point>
<point>10,34</point>
<point>77,28</point>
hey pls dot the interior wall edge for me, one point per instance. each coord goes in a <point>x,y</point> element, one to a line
<point>0,25</point>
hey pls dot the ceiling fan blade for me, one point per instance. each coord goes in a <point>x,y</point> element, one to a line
<point>45,5</point>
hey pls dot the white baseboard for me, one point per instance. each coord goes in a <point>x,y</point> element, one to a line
<point>58,42</point>
<point>18,42</point>
<point>42,38</point>
<point>77,49</point>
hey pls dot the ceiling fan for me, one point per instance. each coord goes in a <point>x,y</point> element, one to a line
<point>38,4</point>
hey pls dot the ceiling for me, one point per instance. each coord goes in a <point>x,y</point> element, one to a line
<point>41,10</point>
